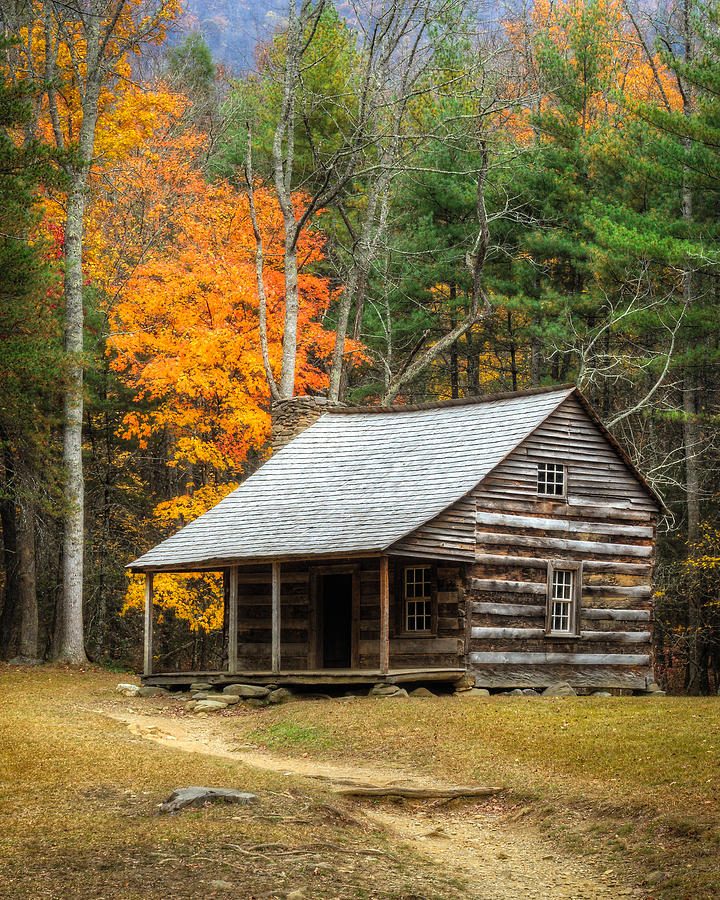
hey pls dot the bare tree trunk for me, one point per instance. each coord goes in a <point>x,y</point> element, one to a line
<point>696,677</point>
<point>72,648</point>
<point>8,520</point>
<point>454,368</point>
<point>11,600</point>
<point>28,648</point>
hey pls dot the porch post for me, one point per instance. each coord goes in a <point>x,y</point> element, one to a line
<point>276,617</point>
<point>147,668</point>
<point>233,621</point>
<point>384,616</point>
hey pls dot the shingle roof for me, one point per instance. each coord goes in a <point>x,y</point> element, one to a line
<point>357,482</point>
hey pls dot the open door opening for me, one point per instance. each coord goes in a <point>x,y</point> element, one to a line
<point>337,621</point>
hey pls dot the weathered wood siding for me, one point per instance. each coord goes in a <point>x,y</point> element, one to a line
<point>255,617</point>
<point>607,521</point>
<point>508,535</point>
<point>446,647</point>
<point>299,631</point>
<point>449,536</point>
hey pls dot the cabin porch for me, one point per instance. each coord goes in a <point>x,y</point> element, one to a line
<point>306,679</point>
<point>331,621</point>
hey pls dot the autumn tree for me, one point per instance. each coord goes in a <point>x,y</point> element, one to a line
<point>81,52</point>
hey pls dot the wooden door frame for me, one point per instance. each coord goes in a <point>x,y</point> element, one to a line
<point>315,623</point>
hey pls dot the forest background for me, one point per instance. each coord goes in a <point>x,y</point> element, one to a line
<point>396,202</point>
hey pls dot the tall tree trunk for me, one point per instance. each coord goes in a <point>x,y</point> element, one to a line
<point>11,592</point>
<point>696,677</point>
<point>28,648</point>
<point>8,519</point>
<point>72,648</point>
<point>454,368</point>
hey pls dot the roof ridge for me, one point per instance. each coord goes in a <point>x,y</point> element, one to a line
<point>445,404</point>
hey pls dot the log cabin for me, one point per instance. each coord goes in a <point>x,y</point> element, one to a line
<point>507,539</point>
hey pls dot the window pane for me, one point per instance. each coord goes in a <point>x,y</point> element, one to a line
<point>418,603</point>
<point>563,581</point>
<point>551,479</point>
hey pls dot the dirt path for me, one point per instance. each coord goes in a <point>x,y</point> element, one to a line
<point>499,860</point>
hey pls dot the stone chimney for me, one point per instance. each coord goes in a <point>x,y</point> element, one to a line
<point>291,416</point>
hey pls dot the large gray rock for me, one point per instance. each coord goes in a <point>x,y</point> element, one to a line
<point>473,693</point>
<point>280,695</point>
<point>601,694</point>
<point>246,690</point>
<point>655,693</point>
<point>530,692</point>
<point>654,688</point>
<point>200,686</point>
<point>559,689</point>
<point>209,706</point>
<point>199,796</point>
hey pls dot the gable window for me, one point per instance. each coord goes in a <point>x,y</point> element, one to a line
<point>417,598</point>
<point>551,479</point>
<point>563,600</point>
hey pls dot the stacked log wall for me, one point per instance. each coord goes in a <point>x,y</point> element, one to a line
<point>606,522</point>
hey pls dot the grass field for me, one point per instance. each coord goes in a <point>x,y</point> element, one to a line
<point>78,815</point>
<point>631,783</point>
<point>634,780</point>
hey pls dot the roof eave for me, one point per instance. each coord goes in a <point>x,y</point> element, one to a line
<point>217,564</point>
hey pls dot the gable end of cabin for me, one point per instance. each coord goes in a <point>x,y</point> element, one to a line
<point>558,550</point>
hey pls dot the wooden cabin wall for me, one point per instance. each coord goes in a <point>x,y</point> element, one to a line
<point>255,624</point>
<point>445,648</point>
<point>607,521</point>
<point>255,617</point>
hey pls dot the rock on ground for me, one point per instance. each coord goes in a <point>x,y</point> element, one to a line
<point>601,694</point>
<point>421,692</point>
<point>465,683</point>
<point>246,690</point>
<point>387,690</point>
<point>280,695</point>
<point>208,706</point>
<point>128,690</point>
<point>473,692</point>
<point>559,689</point>
<point>199,796</point>
<point>200,686</point>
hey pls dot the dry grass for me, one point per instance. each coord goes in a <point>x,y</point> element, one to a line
<point>78,815</point>
<point>634,779</point>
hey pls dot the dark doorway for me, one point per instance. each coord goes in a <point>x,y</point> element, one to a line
<point>337,621</point>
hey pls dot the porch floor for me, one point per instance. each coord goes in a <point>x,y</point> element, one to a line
<point>299,677</point>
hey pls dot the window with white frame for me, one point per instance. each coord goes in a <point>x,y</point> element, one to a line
<point>564,585</point>
<point>551,479</point>
<point>418,598</point>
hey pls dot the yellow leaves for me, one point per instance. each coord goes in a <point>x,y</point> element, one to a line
<point>180,510</point>
<point>195,599</point>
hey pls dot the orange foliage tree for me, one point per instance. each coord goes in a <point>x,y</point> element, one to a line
<point>184,334</point>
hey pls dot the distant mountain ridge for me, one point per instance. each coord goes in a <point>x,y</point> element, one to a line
<point>233,28</point>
